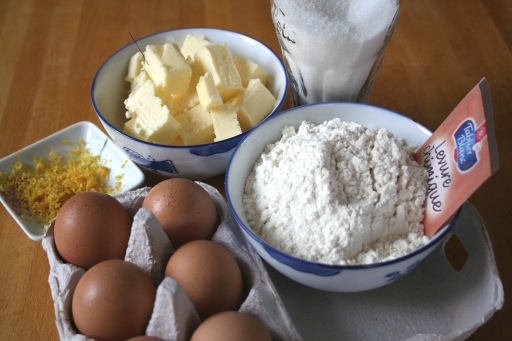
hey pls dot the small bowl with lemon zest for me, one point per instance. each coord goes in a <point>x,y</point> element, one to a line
<point>37,180</point>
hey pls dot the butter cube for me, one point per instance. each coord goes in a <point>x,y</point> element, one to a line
<point>130,130</point>
<point>197,126</point>
<point>217,59</point>
<point>167,68</point>
<point>139,80</point>
<point>255,104</point>
<point>134,66</point>
<point>207,92</point>
<point>178,142</point>
<point>225,122</point>
<point>189,99</point>
<point>236,100</point>
<point>153,121</point>
<point>192,44</point>
<point>250,70</point>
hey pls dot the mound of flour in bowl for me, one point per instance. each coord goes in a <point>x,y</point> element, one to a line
<point>338,193</point>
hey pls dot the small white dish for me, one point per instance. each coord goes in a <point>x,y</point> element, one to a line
<point>96,141</point>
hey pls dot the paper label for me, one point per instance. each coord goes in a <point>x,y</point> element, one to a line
<point>459,157</point>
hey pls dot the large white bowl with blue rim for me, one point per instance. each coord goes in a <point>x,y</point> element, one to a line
<point>336,278</point>
<point>109,90</point>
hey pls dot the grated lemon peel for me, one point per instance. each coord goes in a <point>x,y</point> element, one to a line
<point>41,189</point>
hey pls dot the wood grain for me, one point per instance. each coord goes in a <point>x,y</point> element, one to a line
<point>51,49</point>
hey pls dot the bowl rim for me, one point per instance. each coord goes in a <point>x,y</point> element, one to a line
<point>434,241</point>
<point>278,106</point>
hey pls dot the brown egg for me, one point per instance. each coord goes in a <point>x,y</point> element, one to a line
<point>185,210</point>
<point>231,326</point>
<point>113,301</point>
<point>92,227</point>
<point>145,338</point>
<point>209,275</point>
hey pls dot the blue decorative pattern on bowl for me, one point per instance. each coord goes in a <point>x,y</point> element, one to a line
<point>162,166</point>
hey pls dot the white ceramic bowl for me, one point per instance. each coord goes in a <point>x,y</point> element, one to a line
<point>109,90</point>
<point>321,276</point>
<point>98,144</point>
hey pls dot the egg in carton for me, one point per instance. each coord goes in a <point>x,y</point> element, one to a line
<point>174,317</point>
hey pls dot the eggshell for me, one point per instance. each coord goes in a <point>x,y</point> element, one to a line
<point>231,326</point>
<point>174,317</point>
<point>92,227</point>
<point>185,210</point>
<point>113,301</point>
<point>210,276</point>
<point>145,338</point>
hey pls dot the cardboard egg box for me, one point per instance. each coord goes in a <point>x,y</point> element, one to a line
<point>150,248</point>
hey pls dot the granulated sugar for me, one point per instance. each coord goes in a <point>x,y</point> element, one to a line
<point>331,45</point>
<point>337,193</point>
<point>343,19</point>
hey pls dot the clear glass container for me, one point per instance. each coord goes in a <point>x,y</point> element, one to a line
<point>332,49</point>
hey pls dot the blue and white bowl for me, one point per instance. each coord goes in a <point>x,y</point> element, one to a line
<point>197,162</point>
<point>336,278</point>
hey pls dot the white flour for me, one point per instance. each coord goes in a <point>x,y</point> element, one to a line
<point>337,193</point>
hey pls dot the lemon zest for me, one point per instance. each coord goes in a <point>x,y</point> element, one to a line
<point>42,188</point>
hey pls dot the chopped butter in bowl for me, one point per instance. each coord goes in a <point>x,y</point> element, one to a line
<point>331,196</point>
<point>179,101</point>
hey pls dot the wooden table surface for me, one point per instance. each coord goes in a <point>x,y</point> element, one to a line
<point>51,49</point>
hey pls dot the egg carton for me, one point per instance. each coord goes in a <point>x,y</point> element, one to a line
<point>150,248</point>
